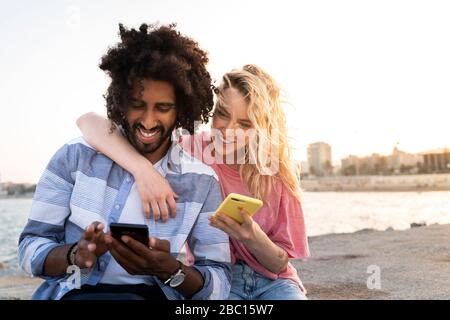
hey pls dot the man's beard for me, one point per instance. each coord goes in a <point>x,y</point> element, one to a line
<point>146,148</point>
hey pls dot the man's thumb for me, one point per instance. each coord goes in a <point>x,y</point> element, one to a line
<point>159,244</point>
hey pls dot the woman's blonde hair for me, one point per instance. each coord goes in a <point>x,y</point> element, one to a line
<point>267,116</point>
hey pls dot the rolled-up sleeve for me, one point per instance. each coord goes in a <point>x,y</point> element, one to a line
<point>49,210</point>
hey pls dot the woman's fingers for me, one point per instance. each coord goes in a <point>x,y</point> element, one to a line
<point>155,210</point>
<point>222,226</point>
<point>146,207</point>
<point>158,198</point>
<point>163,209</point>
<point>231,223</point>
<point>246,217</point>
<point>156,194</point>
<point>172,205</point>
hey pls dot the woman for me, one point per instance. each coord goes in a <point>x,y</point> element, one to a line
<point>248,126</point>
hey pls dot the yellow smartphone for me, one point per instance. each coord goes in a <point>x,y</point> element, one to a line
<point>234,202</point>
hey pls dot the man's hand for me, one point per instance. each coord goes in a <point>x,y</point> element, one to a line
<point>92,244</point>
<point>156,260</point>
<point>138,259</point>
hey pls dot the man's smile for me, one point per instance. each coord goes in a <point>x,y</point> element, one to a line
<point>148,136</point>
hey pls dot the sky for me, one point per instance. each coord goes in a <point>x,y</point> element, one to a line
<point>363,76</point>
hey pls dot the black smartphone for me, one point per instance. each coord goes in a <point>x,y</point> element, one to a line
<point>138,232</point>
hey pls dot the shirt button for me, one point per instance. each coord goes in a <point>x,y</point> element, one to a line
<point>128,179</point>
<point>117,206</point>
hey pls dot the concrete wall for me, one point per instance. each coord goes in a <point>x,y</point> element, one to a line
<point>378,183</point>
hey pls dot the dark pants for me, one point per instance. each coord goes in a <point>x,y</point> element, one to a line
<point>116,292</point>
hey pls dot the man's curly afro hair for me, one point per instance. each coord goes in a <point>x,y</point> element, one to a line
<point>164,54</point>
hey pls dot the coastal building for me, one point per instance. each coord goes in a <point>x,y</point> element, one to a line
<point>336,168</point>
<point>369,165</point>
<point>304,167</point>
<point>437,160</point>
<point>401,161</point>
<point>319,159</point>
<point>375,164</point>
<point>350,166</point>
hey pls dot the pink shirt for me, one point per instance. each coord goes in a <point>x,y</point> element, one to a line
<point>284,224</point>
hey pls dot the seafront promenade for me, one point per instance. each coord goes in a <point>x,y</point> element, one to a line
<point>416,182</point>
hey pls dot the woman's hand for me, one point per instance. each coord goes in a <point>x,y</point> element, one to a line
<point>248,232</point>
<point>269,254</point>
<point>156,193</point>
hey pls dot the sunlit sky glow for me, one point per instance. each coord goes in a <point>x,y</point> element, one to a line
<point>360,75</point>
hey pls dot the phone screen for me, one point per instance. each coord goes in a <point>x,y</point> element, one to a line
<point>138,232</point>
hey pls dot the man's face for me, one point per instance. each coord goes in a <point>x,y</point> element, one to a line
<point>151,118</point>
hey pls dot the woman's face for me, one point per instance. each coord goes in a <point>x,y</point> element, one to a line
<point>231,124</point>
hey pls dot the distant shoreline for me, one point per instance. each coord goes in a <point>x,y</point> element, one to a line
<point>360,183</point>
<point>304,189</point>
<point>25,196</point>
<point>377,190</point>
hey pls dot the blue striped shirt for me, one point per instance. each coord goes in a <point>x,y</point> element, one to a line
<point>81,185</point>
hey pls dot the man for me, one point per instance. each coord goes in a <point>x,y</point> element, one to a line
<point>159,83</point>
